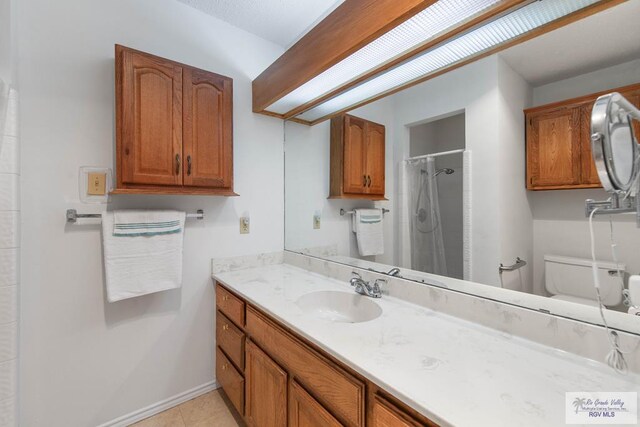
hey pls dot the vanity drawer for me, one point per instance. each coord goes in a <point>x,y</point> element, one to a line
<point>231,380</point>
<point>336,390</point>
<point>230,339</point>
<point>386,414</point>
<point>230,305</point>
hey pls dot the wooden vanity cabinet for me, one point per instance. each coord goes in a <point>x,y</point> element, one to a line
<point>305,411</point>
<point>357,168</point>
<point>558,141</point>
<point>385,414</point>
<point>266,390</point>
<point>288,382</point>
<point>174,127</point>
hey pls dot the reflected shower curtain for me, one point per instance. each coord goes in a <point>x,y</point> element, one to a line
<point>427,245</point>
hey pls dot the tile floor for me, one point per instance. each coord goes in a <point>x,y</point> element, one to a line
<point>209,410</point>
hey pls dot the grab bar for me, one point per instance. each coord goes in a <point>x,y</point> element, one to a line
<point>519,264</point>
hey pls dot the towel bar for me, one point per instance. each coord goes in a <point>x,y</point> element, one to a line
<point>343,212</point>
<point>73,215</point>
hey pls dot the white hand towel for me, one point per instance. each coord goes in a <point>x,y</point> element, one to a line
<point>142,262</point>
<point>367,224</point>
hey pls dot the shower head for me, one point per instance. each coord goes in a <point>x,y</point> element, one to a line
<point>448,171</point>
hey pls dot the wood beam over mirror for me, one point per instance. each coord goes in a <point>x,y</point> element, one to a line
<point>352,25</point>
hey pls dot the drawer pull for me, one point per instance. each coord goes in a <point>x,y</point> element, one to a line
<point>225,298</point>
<point>225,327</point>
<point>224,366</point>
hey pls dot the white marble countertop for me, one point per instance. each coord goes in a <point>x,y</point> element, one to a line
<point>453,371</point>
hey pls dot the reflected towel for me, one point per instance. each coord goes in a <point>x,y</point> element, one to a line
<point>142,262</point>
<point>367,224</point>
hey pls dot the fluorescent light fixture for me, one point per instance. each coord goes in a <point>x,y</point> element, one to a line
<point>431,22</point>
<point>486,37</point>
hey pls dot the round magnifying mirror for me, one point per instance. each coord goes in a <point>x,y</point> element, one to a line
<point>614,147</point>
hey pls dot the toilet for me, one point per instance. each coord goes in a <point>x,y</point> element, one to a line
<point>571,279</point>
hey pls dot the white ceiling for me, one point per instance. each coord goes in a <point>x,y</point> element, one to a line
<point>280,21</point>
<point>607,38</point>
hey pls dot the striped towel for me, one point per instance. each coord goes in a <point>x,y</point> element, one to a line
<point>131,223</point>
<point>368,226</point>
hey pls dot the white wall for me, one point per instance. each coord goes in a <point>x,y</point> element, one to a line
<point>86,361</point>
<point>9,251</point>
<point>9,218</point>
<point>307,151</point>
<point>515,214</point>
<point>619,75</point>
<point>560,226</point>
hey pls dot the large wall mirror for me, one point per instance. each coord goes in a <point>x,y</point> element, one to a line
<point>476,180</point>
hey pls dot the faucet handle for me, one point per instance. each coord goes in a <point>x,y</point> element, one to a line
<point>356,275</point>
<point>376,284</point>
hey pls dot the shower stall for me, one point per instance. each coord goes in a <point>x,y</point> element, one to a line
<point>434,198</point>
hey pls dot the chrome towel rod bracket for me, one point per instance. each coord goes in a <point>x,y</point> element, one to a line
<point>343,212</point>
<point>519,264</point>
<point>73,215</point>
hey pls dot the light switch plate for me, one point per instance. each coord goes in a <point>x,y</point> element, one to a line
<point>244,225</point>
<point>96,184</point>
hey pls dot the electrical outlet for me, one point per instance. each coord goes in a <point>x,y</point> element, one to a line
<point>96,184</point>
<point>244,225</point>
<point>316,222</point>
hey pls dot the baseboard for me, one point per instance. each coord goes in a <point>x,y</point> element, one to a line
<point>163,405</point>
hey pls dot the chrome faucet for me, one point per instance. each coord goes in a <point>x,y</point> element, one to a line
<point>395,272</point>
<point>364,288</point>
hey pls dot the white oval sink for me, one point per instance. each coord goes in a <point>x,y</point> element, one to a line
<point>336,306</point>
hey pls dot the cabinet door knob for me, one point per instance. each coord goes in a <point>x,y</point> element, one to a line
<point>224,367</point>
<point>189,165</point>
<point>225,327</point>
<point>177,164</point>
<point>225,298</point>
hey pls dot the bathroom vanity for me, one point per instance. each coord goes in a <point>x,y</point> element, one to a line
<point>271,373</point>
<point>291,350</point>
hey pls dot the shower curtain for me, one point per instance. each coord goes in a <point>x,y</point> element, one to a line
<point>427,245</point>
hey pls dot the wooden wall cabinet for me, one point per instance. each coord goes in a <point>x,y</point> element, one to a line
<point>558,141</point>
<point>288,382</point>
<point>357,159</point>
<point>174,127</point>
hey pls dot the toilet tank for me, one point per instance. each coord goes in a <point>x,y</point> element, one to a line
<point>574,277</point>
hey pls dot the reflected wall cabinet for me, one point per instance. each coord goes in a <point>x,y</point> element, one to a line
<point>559,142</point>
<point>357,159</point>
<point>174,127</point>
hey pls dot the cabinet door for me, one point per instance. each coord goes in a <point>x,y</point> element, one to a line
<point>150,99</point>
<point>230,380</point>
<point>305,411</point>
<point>385,414</point>
<point>266,390</point>
<point>589,173</point>
<point>355,174</point>
<point>375,158</point>
<point>208,129</point>
<point>553,156</point>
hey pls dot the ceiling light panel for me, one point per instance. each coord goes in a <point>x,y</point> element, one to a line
<point>431,22</point>
<point>501,30</point>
